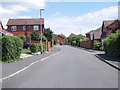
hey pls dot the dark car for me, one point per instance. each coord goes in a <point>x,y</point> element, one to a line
<point>26,45</point>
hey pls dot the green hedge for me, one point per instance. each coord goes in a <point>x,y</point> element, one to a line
<point>74,43</point>
<point>97,45</point>
<point>112,45</point>
<point>11,47</point>
<point>34,48</point>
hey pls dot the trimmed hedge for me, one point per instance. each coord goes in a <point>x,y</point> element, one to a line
<point>34,48</point>
<point>11,47</point>
<point>112,45</point>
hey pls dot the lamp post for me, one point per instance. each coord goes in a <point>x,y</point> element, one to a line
<point>41,23</point>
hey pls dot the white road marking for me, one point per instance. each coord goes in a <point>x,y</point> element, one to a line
<point>1,80</point>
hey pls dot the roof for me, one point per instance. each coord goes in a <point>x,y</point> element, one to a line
<point>114,26</point>
<point>97,33</point>
<point>1,27</point>
<point>108,22</point>
<point>6,33</point>
<point>2,31</point>
<point>89,32</point>
<point>35,21</point>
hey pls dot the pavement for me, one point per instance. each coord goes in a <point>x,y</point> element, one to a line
<point>10,68</point>
<point>71,68</point>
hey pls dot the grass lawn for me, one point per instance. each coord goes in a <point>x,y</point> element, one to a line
<point>25,51</point>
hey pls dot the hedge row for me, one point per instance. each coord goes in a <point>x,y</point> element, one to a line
<point>34,48</point>
<point>112,45</point>
<point>11,47</point>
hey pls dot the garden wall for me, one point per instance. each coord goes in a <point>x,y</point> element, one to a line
<point>87,44</point>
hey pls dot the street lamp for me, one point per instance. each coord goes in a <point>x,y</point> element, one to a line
<point>41,23</point>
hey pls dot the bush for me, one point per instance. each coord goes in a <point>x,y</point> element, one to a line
<point>74,43</point>
<point>11,47</point>
<point>112,45</point>
<point>23,37</point>
<point>98,45</point>
<point>35,36</point>
<point>34,48</point>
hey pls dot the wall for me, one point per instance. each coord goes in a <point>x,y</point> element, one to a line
<point>20,30</point>
<point>87,44</point>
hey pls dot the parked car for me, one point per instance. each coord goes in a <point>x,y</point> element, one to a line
<point>61,43</point>
<point>26,45</point>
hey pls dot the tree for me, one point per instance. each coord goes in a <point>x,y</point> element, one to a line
<point>48,33</point>
<point>35,36</point>
<point>78,38</point>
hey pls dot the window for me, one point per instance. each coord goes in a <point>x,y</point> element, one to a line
<point>13,28</point>
<point>24,27</point>
<point>36,27</point>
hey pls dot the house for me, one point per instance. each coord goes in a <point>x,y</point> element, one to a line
<point>25,26</point>
<point>60,40</point>
<point>107,27</point>
<point>3,32</point>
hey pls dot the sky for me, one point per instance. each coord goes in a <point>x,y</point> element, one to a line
<point>62,17</point>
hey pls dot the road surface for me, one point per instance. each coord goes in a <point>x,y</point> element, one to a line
<point>72,68</point>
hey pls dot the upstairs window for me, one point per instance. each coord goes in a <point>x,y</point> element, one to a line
<point>13,28</point>
<point>36,27</point>
<point>24,27</point>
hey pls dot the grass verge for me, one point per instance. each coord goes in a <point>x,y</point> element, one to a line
<point>25,51</point>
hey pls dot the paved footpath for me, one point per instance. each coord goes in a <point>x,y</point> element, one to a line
<point>10,68</point>
<point>72,68</point>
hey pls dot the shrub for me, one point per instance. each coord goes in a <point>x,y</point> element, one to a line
<point>74,43</point>
<point>112,45</point>
<point>97,45</point>
<point>11,47</point>
<point>37,48</point>
<point>34,48</point>
<point>35,36</point>
<point>23,37</point>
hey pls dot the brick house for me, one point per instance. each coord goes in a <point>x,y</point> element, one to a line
<point>3,32</point>
<point>60,40</point>
<point>25,26</point>
<point>108,27</point>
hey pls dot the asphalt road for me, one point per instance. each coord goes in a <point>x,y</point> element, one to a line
<point>72,68</point>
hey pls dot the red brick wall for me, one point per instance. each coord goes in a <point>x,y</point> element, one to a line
<point>20,30</point>
<point>87,44</point>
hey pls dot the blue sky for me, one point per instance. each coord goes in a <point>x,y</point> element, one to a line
<point>64,17</point>
<point>71,9</point>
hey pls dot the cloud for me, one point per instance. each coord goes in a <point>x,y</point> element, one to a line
<point>85,23</point>
<point>13,9</point>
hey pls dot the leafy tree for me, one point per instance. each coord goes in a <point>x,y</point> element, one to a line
<point>78,38</point>
<point>23,37</point>
<point>35,36</point>
<point>48,33</point>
